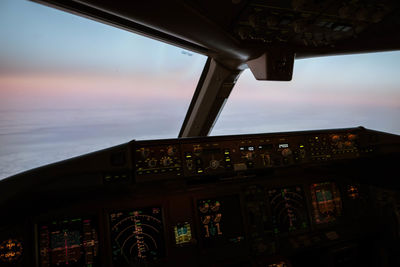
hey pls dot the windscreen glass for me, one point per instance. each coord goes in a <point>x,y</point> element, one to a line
<point>70,85</point>
<point>326,92</point>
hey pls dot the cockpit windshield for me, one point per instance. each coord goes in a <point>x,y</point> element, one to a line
<point>70,85</point>
<point>326,92</point>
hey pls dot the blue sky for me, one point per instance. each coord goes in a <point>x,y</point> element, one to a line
<point>69,85</point>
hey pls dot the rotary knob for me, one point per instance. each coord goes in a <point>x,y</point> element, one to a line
<point>249,155</point>
<point>335,138</point>
<point>286,152</point>
<point>171,151</point>
<point>267,160</point>
<point>351,137</point>
<point>152,163</point>
<point>166,161</point>
<point>144,152</point>
<point>214,164</point>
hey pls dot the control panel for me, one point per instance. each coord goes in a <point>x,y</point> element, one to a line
<point>69,242</point>
<point>230,155</point>
<point>137,236</point>
<point>215,200</point>
<point>158,161</point>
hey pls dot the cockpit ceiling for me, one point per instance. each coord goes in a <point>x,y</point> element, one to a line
<point>240,30</point>
<point>302,24</point>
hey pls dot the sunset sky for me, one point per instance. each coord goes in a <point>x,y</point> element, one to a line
<point>69,85</point>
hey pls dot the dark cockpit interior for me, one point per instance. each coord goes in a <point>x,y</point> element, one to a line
<point>307,198</point>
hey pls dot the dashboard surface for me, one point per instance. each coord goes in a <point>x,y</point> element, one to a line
<point>315,198</point>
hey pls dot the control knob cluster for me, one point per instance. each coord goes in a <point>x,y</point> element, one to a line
<point>343,141</point>
<point>157,159</point>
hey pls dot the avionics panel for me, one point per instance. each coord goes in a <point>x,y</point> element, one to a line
<point>224,156</point>
<point>220,220</point>
<point>69,242</point>
<point>162,160</point>
<point>137,236</point>
<point>183,233</point>
<point>326,202</point>
<point>11,251</point>
<point>288,209</point>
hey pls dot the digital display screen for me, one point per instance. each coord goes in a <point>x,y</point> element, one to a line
<point>283,145</point>
<point>353,191</point>
<point>266,147</point>
<point>11,251</point>
<point>247,148</point>
<point>137,236</point>
<point>183,233</point>
<point>70,242</point>
<point>220,220</point>
<point>288,207</point>
<point>326,202</point>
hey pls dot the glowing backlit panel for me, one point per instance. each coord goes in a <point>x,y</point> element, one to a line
<point>137,236</point>
<point>10,251</point>
<point>326,202</point>
<point>70,242</point>
<point>289,213</point>
<point>183,233</point>
<point>211,217</point>
<point>352,191</point>
<point>220,220</point>
<point>279,264</point>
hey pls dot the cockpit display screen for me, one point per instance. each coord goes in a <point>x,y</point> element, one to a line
<point>326,202</point>
<point>11,251</point>
<point>220,220</point>
<point>69,242</point>
<point>137,236</point>
<point>183,233</point>
<point>288,207</point>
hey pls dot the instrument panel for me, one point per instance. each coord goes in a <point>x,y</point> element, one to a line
<point>258,200</point>
<point>326,202</point>
<point>221,221</point>
<point>288,209</point>
<point>261,215</point>
<point>69,242</point>
<point>11,251</point>
<point>199,157</point>
<point>137,236</point>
